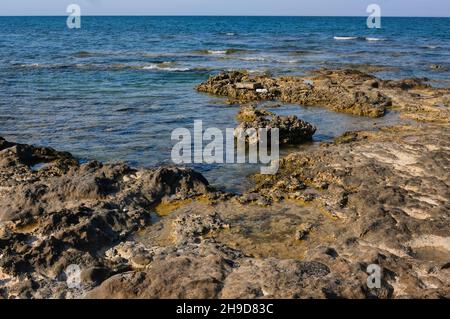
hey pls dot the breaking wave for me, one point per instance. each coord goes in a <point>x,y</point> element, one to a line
<point>222,52</point>
<point>357,38</point>
<point>165,66</point>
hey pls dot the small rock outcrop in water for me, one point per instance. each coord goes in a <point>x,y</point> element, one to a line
<point>327,90</point>
<point>347,91</point>
<point>292,130</point>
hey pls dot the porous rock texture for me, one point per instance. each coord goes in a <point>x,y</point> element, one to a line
<point>291,129</point>
<point>66,213</point>
<point>310,231</point>
<point>348,91</point>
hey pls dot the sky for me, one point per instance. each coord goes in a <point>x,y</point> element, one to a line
<point>228,7</point>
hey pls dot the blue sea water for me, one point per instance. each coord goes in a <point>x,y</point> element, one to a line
<point>116,88</point>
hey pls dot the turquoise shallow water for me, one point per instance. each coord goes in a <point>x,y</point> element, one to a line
<point>117,87</point>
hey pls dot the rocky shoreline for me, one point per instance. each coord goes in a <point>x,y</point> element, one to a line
<point>347,91</point>
<point>371,197</point>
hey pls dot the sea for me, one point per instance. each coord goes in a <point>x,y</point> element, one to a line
<point>116,88</point>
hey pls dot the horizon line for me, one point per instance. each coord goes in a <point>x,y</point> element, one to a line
<point>214,15</point>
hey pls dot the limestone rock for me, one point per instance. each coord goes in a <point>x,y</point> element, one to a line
<point>348,91</point>
<point>291,129</point>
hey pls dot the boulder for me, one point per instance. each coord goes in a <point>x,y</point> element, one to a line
<point>292,130</point>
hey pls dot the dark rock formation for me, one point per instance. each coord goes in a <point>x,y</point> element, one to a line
<point>66,213</point>
<point>348,91</point>
<point>291,129</point>
<point>311,231</point>
<point>335,90</point>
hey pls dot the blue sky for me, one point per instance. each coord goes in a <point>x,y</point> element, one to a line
<point>227,7</point>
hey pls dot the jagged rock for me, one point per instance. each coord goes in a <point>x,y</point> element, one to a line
<point>66,213</point>
<point>330,89</point>
<point>292,130</point>
<point>248,85</point>
<point>174,277</point>
<point>303,230</point>
<point>13,153</point>
<point>250,113</point>
<point>273,278</point>
<point>192,227</point>
<point>348,91</point>
<point>389,190</point>
<point>376,198</point>
<point>95,275</point>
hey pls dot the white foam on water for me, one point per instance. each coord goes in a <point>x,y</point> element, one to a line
<point>217,51</point>
<point>288,61</point>
<point>31,65</point>
<point>268,59</point>
<point>254,58</point>
<point>255,71</point>
<point>165,66</point>
<point>345,38</point>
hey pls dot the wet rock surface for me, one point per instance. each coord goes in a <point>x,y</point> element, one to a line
<point>380,199</point>
<point>348,91</point>
<point>66,213</point>
<point>388,193</point>
<point>311,231</point>
<point>291,130</point>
